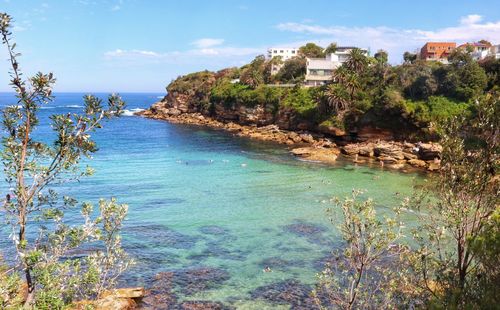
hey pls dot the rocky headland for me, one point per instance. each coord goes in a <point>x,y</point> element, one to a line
<point>322,144</point>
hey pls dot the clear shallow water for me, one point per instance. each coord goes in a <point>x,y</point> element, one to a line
<point>202,198</point>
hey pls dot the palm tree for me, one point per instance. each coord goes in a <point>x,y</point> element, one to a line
<point>337,99</point>
<point>357,60</point>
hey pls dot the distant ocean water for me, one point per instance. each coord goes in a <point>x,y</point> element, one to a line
<point>203,198</point>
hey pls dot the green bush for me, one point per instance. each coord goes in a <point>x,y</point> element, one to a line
<point>303,101</point>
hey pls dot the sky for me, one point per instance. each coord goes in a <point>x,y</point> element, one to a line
<point>142,45</point>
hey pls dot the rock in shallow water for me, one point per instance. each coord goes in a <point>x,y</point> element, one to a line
<point>288,292</point>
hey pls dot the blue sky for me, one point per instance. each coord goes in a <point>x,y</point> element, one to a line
<point>141,45</point>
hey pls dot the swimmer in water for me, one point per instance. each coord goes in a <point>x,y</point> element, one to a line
<point>267,269</point>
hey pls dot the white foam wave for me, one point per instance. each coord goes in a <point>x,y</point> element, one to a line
<point>131,111</point>
<point>74,106</point>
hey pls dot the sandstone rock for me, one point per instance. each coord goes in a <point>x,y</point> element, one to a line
<point>417,163</point>
<point>388,150</point>
<point>366,150</point>
<point>388,159</point>
<point>307,138</point>
<point>369,133</point>
<point>331,130</point>
<point>433,165</point>
<point>410,156</point>
<point>327,155</point>
<point>429,151</point>
<point>350,149</point>
<point>134,292</point>
<point>115,303</point>
<point>325,143</point>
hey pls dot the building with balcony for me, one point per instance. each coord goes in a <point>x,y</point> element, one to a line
<point>437,51</point>
<point>479,50</point>
<point>320,70</point>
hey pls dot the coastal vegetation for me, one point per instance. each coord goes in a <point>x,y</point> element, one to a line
<point>412,98</point>
<point>48,250</point>
<point>454,262</point>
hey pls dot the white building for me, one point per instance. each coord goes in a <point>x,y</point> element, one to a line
<point>284,52</point>
<point>495,51</point>
<point>319,70</point>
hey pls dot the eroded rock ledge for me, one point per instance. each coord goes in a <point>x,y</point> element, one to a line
<point>313,146</point>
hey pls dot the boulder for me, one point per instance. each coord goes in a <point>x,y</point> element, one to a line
<point>417,163</point>
<point>410,156</point>
<point>433,165</point>
<point>307,138</point>
<point>429,151</point>
<point>350,149</point>
<point>134,292</point>
<point>388,150</point>
<point>388,159</point>
<point>326,155</point>
<point>366,150</point>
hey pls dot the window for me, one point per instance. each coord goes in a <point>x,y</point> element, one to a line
<point>293,52</point>
<point>281,51</point>
<point>275,51</point>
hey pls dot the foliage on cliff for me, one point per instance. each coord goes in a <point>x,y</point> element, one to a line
<point>415,96</point>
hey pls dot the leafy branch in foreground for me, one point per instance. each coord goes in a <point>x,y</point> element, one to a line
<point>455,268</point>
<point>369,272</point>
<point>45,244</point>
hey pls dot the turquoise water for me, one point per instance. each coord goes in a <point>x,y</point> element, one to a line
<point>203,198</point>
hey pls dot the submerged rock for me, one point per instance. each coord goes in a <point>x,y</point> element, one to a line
<point>288,292</point>
<point>203,305</point>
<point>192,281</point>
<point>162,236</point>
<point>213,230</point>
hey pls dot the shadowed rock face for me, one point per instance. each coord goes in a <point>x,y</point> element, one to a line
<point>288,292</point>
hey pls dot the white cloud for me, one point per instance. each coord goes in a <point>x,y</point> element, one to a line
<point>396,40</point>
<point>125,53</point>
<point>115,8</point>
<point>216,56</point>
<point>207,42</point>
<point>470,19</point>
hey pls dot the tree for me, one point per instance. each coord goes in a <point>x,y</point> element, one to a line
<point>368,273</point>
<point>34,209</point>
<point>357,61</point>
<point>381,56</point>
<point>330,49</point>
<point>311,50</point>
<point>253,75</point>
<point>409,58</point>
<point>465,79</point>
<point>292,71</point>
<point>460,207</point>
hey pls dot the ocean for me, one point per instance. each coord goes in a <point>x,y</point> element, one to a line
<point>202,199</point>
